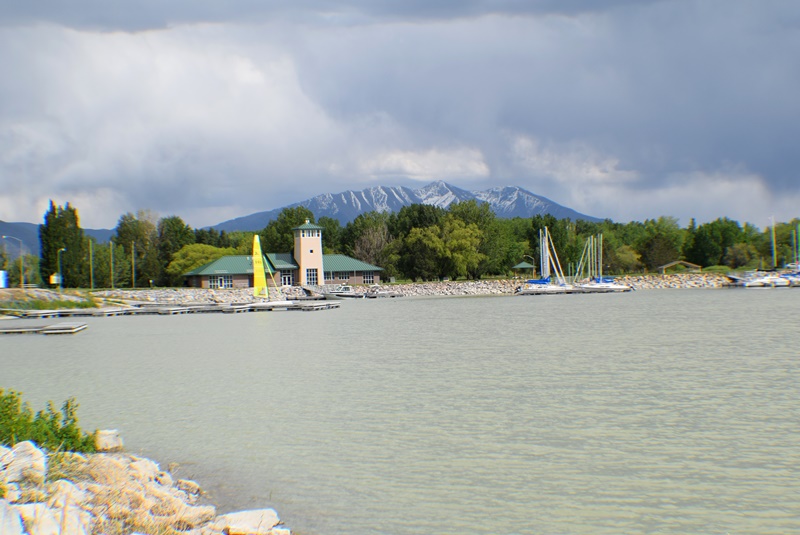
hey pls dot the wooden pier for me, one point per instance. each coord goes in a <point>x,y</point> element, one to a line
<point>165,309</point>
<point>56,328</point>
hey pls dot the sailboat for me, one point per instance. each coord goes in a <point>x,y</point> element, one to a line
<point>259,273</point>
<point>547,259</point>
<point>592,259</point>
<point>260,289</point>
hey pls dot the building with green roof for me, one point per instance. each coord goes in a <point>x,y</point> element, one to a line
<point>305,266</point>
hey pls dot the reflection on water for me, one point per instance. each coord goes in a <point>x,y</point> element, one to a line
<point>650,412</point>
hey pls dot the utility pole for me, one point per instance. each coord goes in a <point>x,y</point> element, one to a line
<point>60,273</point>
<point>133,264</point>
<point>111,244</point>
<point>91,266</point>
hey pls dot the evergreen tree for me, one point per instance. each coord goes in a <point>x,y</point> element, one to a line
<point>61,237</point>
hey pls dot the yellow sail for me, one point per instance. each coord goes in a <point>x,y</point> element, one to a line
<point>259,276</point>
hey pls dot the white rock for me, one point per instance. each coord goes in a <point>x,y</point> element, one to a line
<point>255,522</point>
<point>64,493</point>
<point>10,521</point>
<point>164,479</point>
<point>280,530</point>
<point>108,440</point>
<point>195,516</point>
<point>12,493</point>
<point>188,486</point>
<point>28,462</point>
<point>41,520</point>
<point>144,469</point>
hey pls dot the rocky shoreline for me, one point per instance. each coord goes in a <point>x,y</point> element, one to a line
<point>424,289</point>
<point>110,492</point>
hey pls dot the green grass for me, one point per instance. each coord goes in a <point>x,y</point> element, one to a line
<point>40,304</point>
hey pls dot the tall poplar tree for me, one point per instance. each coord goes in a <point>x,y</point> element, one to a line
<point>61,230</point>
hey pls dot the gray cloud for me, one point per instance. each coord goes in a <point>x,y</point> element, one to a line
<point>618,109</point>
<point>158,14</point>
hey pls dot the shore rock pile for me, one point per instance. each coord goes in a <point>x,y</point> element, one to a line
<point>112,492</point>
<point>683,280</point>
<point>481,287</point>
<point>202,296</point>
<point>197,296</point>
<point>187,296</point>
<point>37,294</point>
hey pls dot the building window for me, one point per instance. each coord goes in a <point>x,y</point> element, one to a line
<point>287,277</point>
<point>369,277</point>
<point>344,275</point>
<point>222,281</point>
<point>328,276</point>
<point>311,276</point>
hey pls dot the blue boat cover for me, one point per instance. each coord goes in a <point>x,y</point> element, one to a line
<point>539,281</point>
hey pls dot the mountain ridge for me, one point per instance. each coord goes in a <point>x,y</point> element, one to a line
<point>505,201</point>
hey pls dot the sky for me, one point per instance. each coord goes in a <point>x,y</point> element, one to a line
<point>209,110</point>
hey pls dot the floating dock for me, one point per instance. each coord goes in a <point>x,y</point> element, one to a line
<point>165,309</point>
<point>56,328</point>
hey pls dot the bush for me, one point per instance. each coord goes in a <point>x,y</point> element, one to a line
<point>49,429</point>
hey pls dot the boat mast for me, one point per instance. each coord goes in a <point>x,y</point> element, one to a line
<point>774,256</point>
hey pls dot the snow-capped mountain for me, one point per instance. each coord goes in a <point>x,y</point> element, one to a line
<point>506,202</point>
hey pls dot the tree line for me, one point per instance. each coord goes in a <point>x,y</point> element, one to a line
<point>419,242</point>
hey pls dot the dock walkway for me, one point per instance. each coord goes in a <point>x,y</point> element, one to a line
<point>161,309</point>
<point>56,328</point>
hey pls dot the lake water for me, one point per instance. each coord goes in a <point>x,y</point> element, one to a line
<point>650,412</point>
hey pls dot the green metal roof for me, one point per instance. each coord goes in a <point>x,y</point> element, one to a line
<point>340,262</point>
<point>282,260</point>
<point>230,265</point>
<point>308,226</point>
<point>243,265</point>
<point>523,265</point>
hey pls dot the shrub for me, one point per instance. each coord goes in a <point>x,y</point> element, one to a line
<point>49,429</point>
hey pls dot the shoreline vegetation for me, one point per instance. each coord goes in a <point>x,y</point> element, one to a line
<point>47,487</point>
<point>36,298</point>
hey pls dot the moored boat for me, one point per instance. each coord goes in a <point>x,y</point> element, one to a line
<point>342,291</point>
<point>547,259</point>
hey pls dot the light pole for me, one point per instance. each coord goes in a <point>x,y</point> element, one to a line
<point>60,276</point>
<point>21,260</point>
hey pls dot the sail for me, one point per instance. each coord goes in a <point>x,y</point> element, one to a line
<point>259,275</point>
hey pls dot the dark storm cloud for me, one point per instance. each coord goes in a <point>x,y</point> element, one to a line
<point>701,88</point>
<point>621,109</point>
<point>157,14</point>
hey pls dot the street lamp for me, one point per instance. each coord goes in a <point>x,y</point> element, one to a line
<point>60,276</point>
<point>21,260</point>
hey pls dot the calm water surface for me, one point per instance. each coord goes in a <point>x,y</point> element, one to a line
<point>652,412</point>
